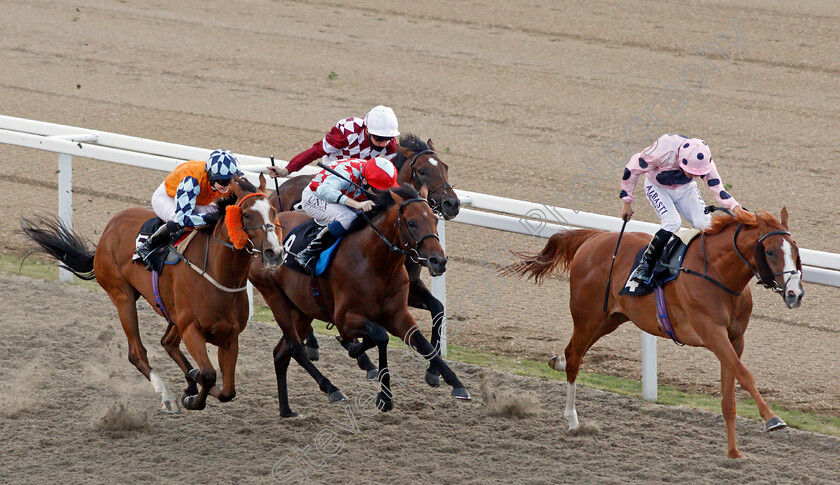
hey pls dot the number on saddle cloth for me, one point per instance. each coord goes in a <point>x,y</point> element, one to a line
<point>667,267</point>
<point>296,241</point>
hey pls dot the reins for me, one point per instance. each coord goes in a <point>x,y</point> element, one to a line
<point>251,250</point>
<point>412,252</point>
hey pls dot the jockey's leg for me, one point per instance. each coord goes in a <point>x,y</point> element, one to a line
<point>326,238</point>
<point>691,205</point>
<point>661,200</point>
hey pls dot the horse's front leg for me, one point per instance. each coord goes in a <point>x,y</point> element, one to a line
<point>406,329</point>
<point>171,342</point>
<point>419,296</point>
<point>715,338</point>
<point>356,325</point>
<point>227,363</point>
<point>205,374</point>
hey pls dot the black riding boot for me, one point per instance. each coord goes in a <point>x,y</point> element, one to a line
<point>643,272</point>
<point>162,236</point>
<point>309,256</point>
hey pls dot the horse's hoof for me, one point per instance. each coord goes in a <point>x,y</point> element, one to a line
<point>432,378</point>
<point>775,423</point>
<point>288,414</point>
<point>170,406</point>
<point>373,374</point>
<point>337,396</point>
<point>556,363</point>
<point>312,353</point>
<point>461,393</point>
<point>191,403</point>
<point>384,405</point>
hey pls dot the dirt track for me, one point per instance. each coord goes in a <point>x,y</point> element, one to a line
<point>521,100</point>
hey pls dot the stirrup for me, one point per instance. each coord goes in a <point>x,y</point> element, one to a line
<point>640,276</point>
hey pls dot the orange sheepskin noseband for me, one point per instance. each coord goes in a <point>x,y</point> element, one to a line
<point>233,221</point>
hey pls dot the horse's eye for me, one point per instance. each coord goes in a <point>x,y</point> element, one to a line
<point>421,172</point>
<point>411,224</point>
<point>768,253</point>
<point>246,215</point>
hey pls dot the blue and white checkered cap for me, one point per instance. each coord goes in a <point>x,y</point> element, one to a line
<point>222,165</point>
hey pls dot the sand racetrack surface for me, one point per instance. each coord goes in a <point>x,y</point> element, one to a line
<point>73,410</point>
<point>537,101</point>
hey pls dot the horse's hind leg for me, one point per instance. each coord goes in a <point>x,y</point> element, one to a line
<point>727,405</point>
<point>171,342</point>
<point>419,296</point>
<point>197,347</point>
<point>362,360</point>
<point>126,303</point>
<point>586,332</point>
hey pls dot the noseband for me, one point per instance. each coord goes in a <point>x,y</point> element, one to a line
<point>436,206</point>
<point>759,246</point>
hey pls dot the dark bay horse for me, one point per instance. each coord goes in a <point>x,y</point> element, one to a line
<point>711,312</point>
<point>419,165</point>
<point>364,293</point>
<point>204,298</point>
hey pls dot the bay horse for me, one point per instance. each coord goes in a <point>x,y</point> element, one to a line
<point>708,308</point>
<point>364,292</point>
<point>203,299</point>
<point>419,165</point>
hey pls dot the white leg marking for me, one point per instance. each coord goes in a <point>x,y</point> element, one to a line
<point>571,413</point>
<point>560,363</point>
<point>166,395</point>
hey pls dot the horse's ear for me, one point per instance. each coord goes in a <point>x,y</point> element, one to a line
<point>424,192</point>
<point>406,152</point>
<point>397,198</point>
<point>785,218</point>
<point>431,145</point>
<point>236,188</point>
<point>262,182</point>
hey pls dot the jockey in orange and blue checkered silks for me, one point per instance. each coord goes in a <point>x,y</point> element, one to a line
<point>186,196</point>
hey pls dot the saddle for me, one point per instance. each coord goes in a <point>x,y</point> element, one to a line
<point>166,254</point>
<point>298,238</point>
<point>667,267</point>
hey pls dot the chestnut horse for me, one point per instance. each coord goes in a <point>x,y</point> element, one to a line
<point>204,297</point>
<point>364,292</point>
<point>419,165</point>
<point>711,311</point>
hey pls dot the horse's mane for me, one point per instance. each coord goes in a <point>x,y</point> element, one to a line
<point>411,142</point>
<point>720,223</point>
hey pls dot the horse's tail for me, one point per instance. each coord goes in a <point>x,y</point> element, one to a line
<point>560,250</point>
<point>54,238</point>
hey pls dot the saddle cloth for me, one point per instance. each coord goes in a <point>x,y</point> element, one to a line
<point>296,241</point>
<point>667,267</point>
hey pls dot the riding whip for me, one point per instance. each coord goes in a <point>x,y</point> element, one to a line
<point>609,278</point>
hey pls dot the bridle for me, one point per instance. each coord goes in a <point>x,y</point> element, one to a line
<point>413,253</point>
<point>249,248</point>
<point>435,205</point>
<point>759,246</point>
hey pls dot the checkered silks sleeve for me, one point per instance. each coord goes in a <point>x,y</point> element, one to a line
<point>185,203</point>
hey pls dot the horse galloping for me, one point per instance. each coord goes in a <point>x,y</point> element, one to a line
<point>419,165</point>
<point>203,299</point>
<point>364,292</point>
<point>709,309</point>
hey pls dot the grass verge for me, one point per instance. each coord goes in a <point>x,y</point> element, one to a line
<point>667,395</point>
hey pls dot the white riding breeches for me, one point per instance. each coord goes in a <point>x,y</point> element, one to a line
<point>324,211</point>
<point>164,206</point>
<point>684,200</point>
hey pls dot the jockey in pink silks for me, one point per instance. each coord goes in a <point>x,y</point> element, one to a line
<point>670,165</point>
